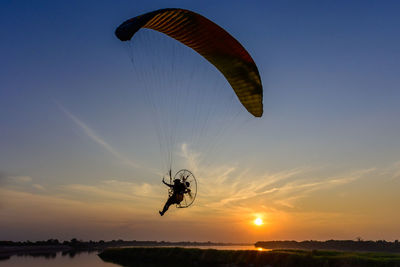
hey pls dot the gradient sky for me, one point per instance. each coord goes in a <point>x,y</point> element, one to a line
<point>79,158</point>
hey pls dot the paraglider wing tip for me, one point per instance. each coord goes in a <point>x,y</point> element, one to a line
<point>260,113</point>
<point>125,31</point>
<point>256,109</point>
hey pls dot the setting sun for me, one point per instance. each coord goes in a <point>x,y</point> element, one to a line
<point>258,221</point>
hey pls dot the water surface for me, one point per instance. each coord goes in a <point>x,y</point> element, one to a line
<point>87,259</point>
<point>56,259</point>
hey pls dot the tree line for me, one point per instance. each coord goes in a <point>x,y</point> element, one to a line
<point>345,245</point>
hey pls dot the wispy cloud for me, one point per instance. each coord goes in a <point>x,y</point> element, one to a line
<point>190,156</point>
<point>140,194</point>
<point>21,179</point>
<point>22,182</point>
<point>39,187</point>
<point>96,138</point>
<point>227,187</point>
<point>393,171</point>
<point>227,194</point>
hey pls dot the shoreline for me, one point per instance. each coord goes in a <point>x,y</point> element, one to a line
<point>48,250</point>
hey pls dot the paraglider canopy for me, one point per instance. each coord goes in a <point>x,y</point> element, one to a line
<point>212,42</point>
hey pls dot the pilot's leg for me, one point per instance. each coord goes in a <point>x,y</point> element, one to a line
<point>169,202</point>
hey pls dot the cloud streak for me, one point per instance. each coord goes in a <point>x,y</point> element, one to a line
<point>226,195</point>
<point>229,187</point>
<point>96,138</point>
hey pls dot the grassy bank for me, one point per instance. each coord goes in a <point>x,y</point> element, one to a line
<point>210,257</point>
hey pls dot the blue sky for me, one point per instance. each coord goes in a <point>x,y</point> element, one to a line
<point>70,116</point>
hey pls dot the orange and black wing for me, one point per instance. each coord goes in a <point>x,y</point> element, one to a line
<point>212,42</point>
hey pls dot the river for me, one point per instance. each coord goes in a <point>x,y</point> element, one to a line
<point>86,259</point>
